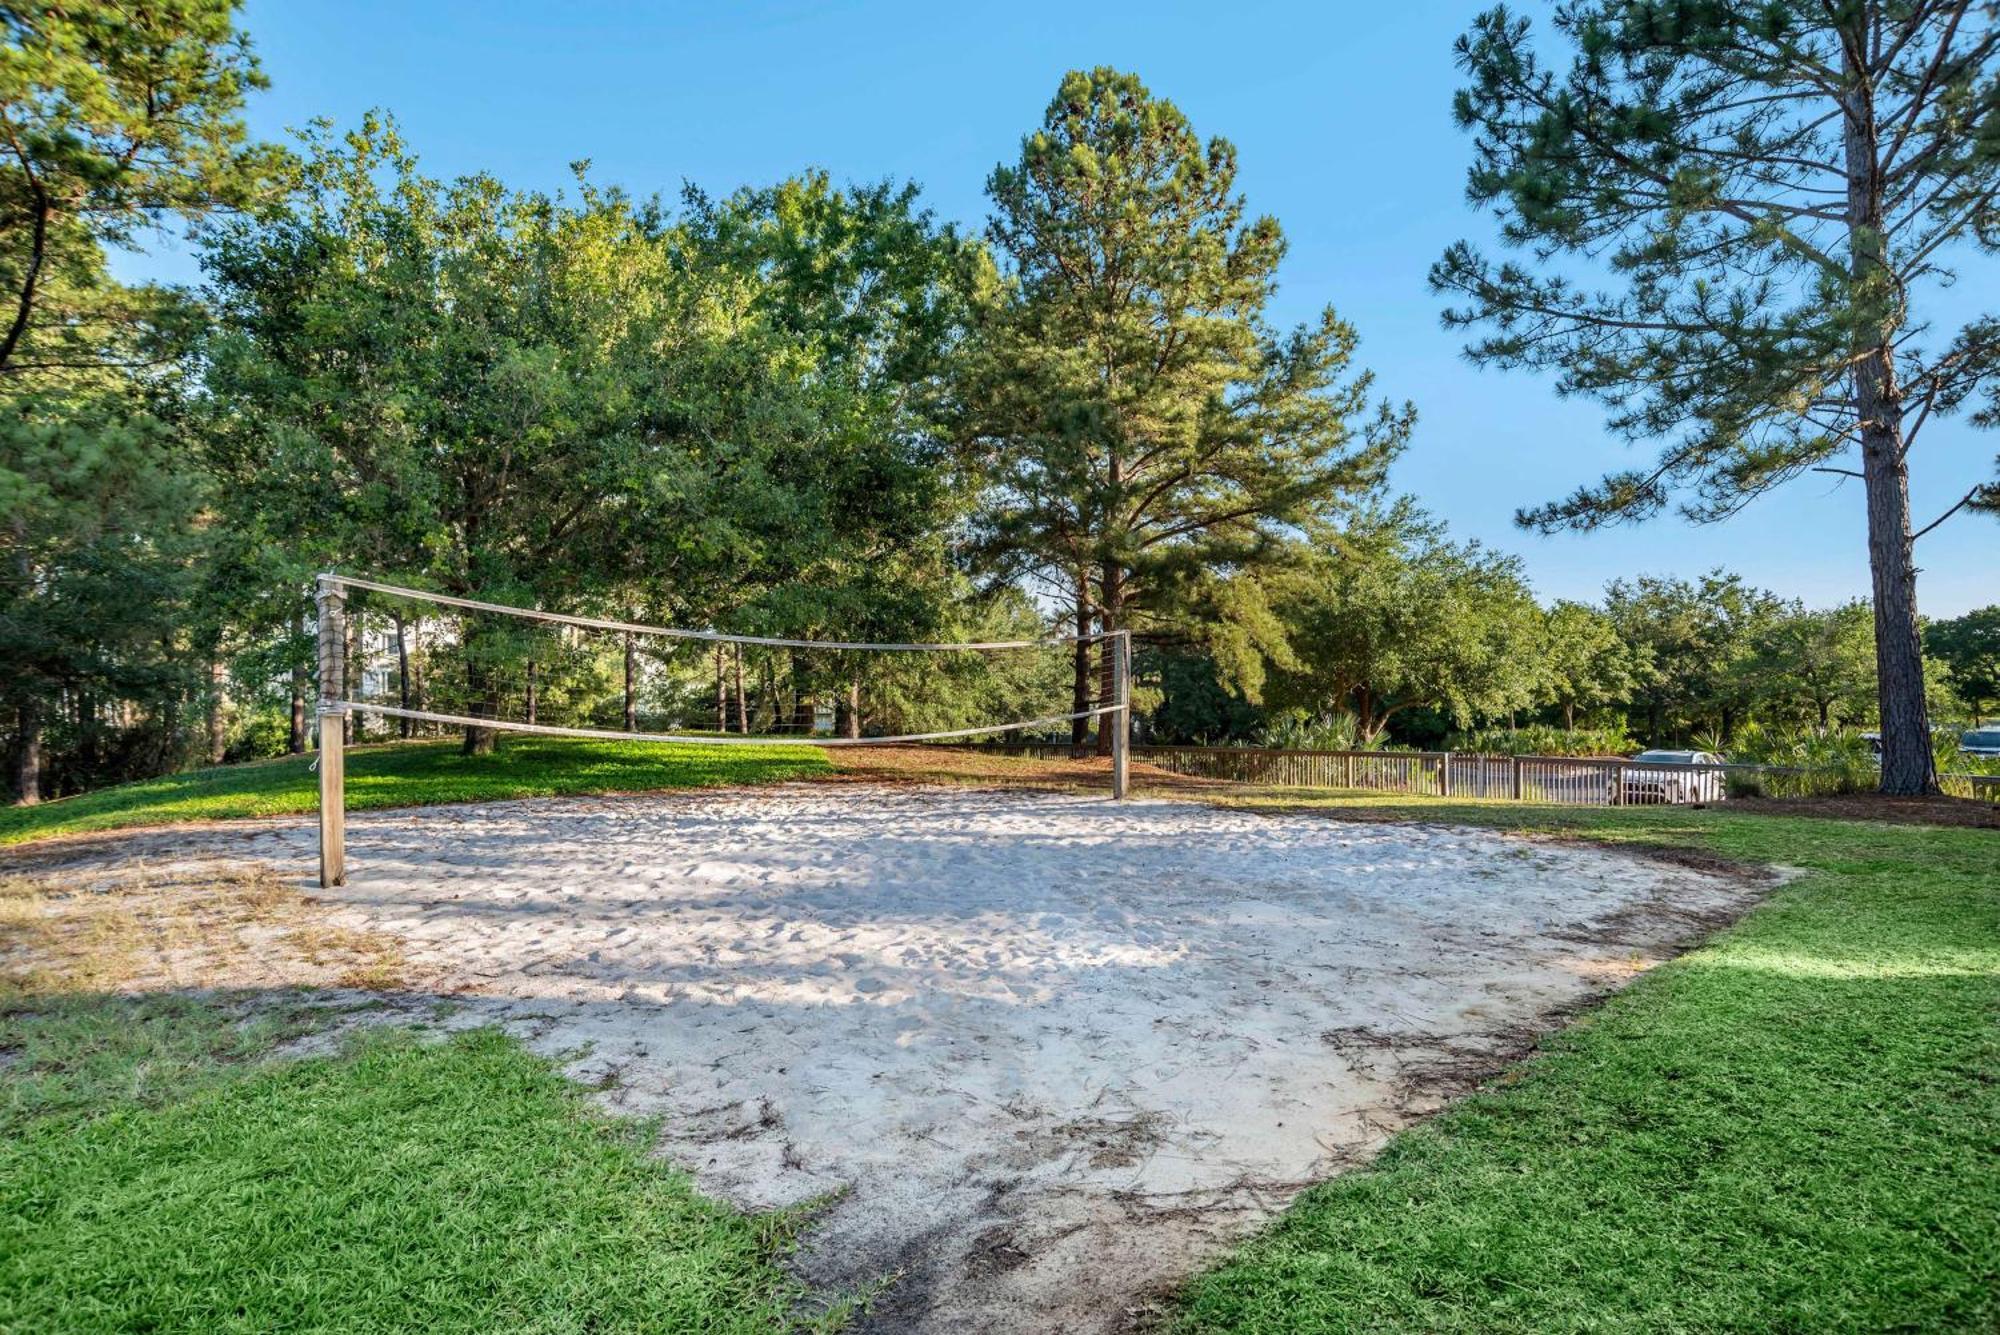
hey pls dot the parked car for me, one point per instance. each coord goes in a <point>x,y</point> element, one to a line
<point>1980,742</point>
<point>1670,778</point>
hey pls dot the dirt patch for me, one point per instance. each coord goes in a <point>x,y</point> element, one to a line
<point>204,924</point>
<point>1954,811</point>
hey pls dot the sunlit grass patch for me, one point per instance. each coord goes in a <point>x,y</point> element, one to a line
<point>1788,1129</point>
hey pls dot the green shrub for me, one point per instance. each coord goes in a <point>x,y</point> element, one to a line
<point>1296,730</point>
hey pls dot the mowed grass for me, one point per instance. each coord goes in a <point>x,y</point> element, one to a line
<point>158,1172</point>
<point>421,773</point>
<point>1790,1129</point>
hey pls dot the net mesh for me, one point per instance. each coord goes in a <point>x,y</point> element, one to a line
<point>418,662</point>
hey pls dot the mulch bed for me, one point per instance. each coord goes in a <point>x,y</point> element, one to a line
<point>1961,811</point>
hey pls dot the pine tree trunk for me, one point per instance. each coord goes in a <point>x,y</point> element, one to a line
<point>295,740</point>
<point>218,738</point>
<point>406,726</point>
<point>1908,765</point>
<point>28,762</point>
<point>1113,613</point>
<point>631,685</point>
<point>742,705</point>
<point>721,690</point>
<point>482,699</point>
<point>1079,700</point>
<point>86,735</point>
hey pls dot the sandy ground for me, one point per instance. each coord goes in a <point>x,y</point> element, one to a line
<point>1048,1053</point>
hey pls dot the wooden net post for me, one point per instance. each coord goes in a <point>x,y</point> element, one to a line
<point>332,718</point>
<point>1121,721</point>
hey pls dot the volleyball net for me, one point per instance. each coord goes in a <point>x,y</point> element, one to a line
<point>403,662</point>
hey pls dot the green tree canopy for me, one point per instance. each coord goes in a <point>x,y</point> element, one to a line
<point>1391,616</point>
<point>1701,636</point>
<point>113,120</point>
<point>1819,662</point>
<point>1585,663</point>
<point>581,403</point>
<point>115,116</point>
<point>1970,645</point>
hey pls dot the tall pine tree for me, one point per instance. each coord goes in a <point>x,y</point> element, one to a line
<point>1136,422</point>
<point>1757,206</point>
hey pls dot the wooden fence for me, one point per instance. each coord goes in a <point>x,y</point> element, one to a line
<point>1564,780</point>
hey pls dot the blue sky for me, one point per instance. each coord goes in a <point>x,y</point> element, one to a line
<point>1340,114</point>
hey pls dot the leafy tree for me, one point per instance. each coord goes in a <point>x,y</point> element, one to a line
<point>101,528</point>
<point>1131,415</point>
<point>1761,203</point>
<point>1970,645</point>
<point>1192,703</point>
<point>581,404</point>
<point>1586,664</point>
<point>866,291</point>
<point>1392,617</point>
<point>1820,662</point>
<point>451,383</point>
<point>1701,637</point>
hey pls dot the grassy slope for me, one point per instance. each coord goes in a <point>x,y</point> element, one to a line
<point>1790,1129</point>
<point>155,1176</point>
<point>413,774</point>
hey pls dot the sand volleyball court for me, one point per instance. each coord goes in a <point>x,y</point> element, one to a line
<point>1045,1053</point>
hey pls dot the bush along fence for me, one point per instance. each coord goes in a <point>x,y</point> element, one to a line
<point>1565,780</point>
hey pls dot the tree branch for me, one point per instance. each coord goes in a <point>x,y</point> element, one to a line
<point>1963,501</point>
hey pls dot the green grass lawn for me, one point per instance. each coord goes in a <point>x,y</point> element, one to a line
<point>398,774</point>
<point>157,1174</point>
<point>1791,1129</point>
